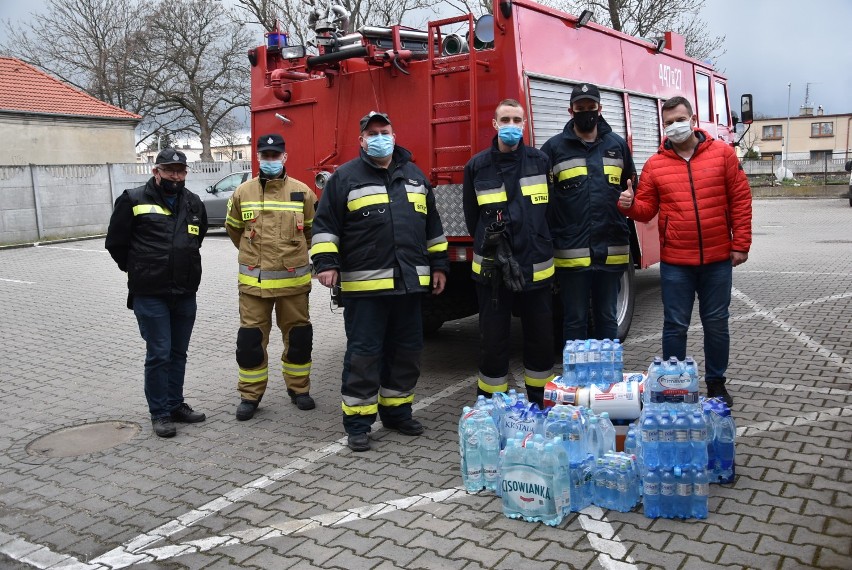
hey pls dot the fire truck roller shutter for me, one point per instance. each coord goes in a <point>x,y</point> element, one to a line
<point>549,111</point>
<point>645,127</point>
<point>549,108</point>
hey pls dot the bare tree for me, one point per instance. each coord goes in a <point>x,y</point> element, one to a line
<point>90,44</point>
<point>295,15</point>
<point>231,133</point>
<point>204,75</point>
<point>650,18</point>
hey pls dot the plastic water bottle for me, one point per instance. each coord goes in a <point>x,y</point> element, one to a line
<point>683,493</point>
<point>650,431</point>
<point>683,443</point>
<point>594,438</point>
<point>617,360</point>
<point>667,440</point>
<point>698,440</point>
<point>601,490</point>
<point>668,491</point>
<point>653,390</point>
<point>651,494</point>
<point>569,364</point>
<point>691,369</point>
<point>581,353</point>
<point>607,376</point>
<point>473,476</point>
<point>489,440</point>
<point>552,515</point>
<point>630,442</point>
<point>608,433</point>
<point>700,493</point>
<point>594,356</point>
<point>563,485</point>
<point>576,439</point>
<point>513,396</point>
<point>726,433</point>
<point>623,502</point>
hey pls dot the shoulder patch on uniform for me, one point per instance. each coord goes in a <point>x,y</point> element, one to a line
<point>297,196</point>
<point>610,153</point>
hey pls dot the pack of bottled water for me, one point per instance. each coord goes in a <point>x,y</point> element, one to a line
<point>721,448</point>
<point>592,362</point>
<point>672,442</point>
<point>536,482</point>
<point>617,485</point>
<point>479,450</point>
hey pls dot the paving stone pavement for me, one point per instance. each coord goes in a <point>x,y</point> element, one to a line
<point>283,491</point>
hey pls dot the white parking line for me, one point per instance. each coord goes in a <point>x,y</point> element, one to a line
<point>799,335</point>
<point>39,246</point>
<point>16,281</point>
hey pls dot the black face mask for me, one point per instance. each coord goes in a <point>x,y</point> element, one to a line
<point>586,121</point>
<point>171,187</point>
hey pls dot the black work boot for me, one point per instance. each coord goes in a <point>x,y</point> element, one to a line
<point>358,441</point>
<point>186,415</point>
<point>246,409</point>
<point>716,389</point>
<point>163,426</point>
<point>408,426</point>
<point>302,401</point>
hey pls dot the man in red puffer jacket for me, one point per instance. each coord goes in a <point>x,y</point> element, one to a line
<point>698,187</point>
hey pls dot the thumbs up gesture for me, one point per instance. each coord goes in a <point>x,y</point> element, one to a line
<point>625,199</point>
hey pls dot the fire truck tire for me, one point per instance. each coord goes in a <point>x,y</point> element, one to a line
<point>626,300</point>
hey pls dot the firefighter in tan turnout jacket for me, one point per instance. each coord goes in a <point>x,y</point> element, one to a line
<point>269,220</point>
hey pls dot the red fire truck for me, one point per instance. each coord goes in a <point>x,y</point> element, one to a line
<point>440,87</point>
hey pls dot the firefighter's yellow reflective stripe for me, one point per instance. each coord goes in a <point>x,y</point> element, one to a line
<point>437,244</point>
<point>323,247</point>
<point>309,222</point>
<point>613,174</point>
<point>418,201</point>
<point>360,410</point>
<point>569,169</point>
<point>393,402</point>
<point>572,173</point>
<point>256,277</point>
<point>424,274</point>
<point>375,280</point>
<point>234,223</point>
<point>493,385</point>
<point>573,257</point>
<point>535,187</point>
<point>324,243</point>
<point>272,206</point>
<point>543,270</point>
<point>617,254</point>
<point>253,376</point>
<point>142,209</point>
<point>491,195</point>
<point>366,196</point>
<point>476,265</point>
<point>296,369</point>
<point>538,379</point>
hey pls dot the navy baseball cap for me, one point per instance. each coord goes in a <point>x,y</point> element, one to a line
<point>271,142</point>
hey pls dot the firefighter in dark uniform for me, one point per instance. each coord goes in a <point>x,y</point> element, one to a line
<point>506,192</point>
<point>155,235</point>
<point>377,235</point>
<point>591,237</point>
<point>269,220</point>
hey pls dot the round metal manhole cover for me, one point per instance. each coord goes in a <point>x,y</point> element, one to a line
<point>84,439</point>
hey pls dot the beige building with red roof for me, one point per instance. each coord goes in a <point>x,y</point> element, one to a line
<point>45,121</point>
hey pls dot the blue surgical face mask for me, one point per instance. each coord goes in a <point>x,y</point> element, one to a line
<point>380,146</point>
<point>271,167</point>
<point>510,134</point>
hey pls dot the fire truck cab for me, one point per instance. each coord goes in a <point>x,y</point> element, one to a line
<point>440,87</point>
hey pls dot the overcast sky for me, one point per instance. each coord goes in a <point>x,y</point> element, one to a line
<point>770,43</point>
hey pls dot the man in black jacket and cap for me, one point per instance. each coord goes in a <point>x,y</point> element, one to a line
<point>155,235</point>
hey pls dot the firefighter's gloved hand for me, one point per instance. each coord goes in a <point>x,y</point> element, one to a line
<point>513,279</point>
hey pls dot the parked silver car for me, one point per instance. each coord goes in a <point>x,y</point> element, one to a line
<point>216,197</point>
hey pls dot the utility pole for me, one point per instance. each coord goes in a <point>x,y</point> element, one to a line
<point>786,141</point>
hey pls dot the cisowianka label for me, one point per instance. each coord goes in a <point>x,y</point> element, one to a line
<point>529,492</point>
